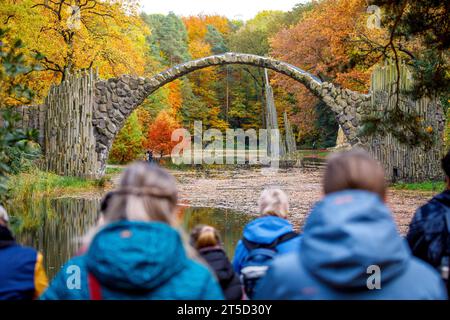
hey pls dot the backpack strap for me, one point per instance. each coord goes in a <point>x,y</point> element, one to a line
<point>250,245</point>
<point>95,289</point>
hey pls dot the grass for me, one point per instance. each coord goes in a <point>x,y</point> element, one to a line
<point>38,183</point>
<point>314,153</point>
<point>420,186</point>
<point>114,170</point>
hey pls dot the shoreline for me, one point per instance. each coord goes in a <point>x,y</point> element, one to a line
<point>239,190</point>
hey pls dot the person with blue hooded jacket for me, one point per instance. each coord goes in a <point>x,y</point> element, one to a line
<point>271,232</point>
<point>136,252</point>
<point>350,247</point>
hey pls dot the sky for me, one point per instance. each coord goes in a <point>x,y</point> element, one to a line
<point>232,9</point>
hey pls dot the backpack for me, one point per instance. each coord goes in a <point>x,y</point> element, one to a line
<point>255,265</point>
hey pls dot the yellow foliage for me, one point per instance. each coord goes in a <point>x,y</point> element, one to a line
<point>109,36</point>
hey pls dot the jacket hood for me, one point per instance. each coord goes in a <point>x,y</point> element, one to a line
<point>266,229</point>
<point>443,198</point>
<point>346,233</point>
<point>129,255</point>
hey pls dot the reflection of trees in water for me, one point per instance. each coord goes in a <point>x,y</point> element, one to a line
<point>230,223</point>
<point>54,227</point>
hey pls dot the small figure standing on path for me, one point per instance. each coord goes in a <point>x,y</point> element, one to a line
<point>150,156</point>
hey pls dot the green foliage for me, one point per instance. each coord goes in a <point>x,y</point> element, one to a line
<point>435,186</point>
<point>127,145</point>
<point>327,126</point>
<point>216,40</point>
<point>168,39</point>
<point>426,22</point>
<point>17,146</point>
<point>431,74</point>
<point>38,184</point>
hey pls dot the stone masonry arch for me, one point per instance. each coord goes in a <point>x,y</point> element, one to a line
<point>116,98</point>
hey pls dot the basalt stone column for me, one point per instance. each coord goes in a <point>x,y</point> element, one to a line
<point>115,99</point>
<point>403,161</point>
<point>69,147</point>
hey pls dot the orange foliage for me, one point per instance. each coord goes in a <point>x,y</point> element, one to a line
<point>175,96</point>
<point>159,135</point>
<point>197,26</point>
<point>144,118</point>
<point>322,43</point>
<point>204,80</point>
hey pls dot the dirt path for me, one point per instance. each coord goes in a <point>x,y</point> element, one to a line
<point>240,189</point>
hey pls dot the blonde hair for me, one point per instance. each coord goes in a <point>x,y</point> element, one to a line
<point>145,192</point>
<point>203,236</point>
<point>354,169</point>
<point>273,202</point>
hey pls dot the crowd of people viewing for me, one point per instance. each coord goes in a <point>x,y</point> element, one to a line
<point>349,247</point>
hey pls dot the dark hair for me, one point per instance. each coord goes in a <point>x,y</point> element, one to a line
<point>445,164</point>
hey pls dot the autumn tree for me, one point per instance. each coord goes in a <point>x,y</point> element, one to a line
<point>159,135</point>
<point>206,36</point>
<point>419,34</point>
<point>323,42</point>
<point>79,34</point>
<point>15,65</point>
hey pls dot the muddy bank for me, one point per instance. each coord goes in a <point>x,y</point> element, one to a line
<point>240,189</point>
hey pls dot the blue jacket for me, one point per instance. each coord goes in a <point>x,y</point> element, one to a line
<point>345,236</point>
<point>265,230</point>
<point>22,275</point>
<point>135,260</point>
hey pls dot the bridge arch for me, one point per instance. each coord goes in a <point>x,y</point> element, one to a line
<point>117,98</point>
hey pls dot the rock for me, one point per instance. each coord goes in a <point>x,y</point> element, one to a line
<point>111,127</point>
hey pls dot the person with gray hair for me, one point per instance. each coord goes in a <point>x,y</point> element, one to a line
<point>22,275</point>
<point>268,235</point>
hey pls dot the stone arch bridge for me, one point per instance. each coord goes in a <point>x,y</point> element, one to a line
<point>116,98</point>
<point>81,117</point>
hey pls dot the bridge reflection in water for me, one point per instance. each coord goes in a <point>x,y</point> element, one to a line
<point>54,226</point>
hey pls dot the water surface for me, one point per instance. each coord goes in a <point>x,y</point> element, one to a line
<point>54,226</point>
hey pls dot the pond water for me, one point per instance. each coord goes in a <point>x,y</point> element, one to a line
<point>54,226</point>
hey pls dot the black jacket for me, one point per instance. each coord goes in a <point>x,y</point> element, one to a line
<point>428,235</point>
<point>228,279</point>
